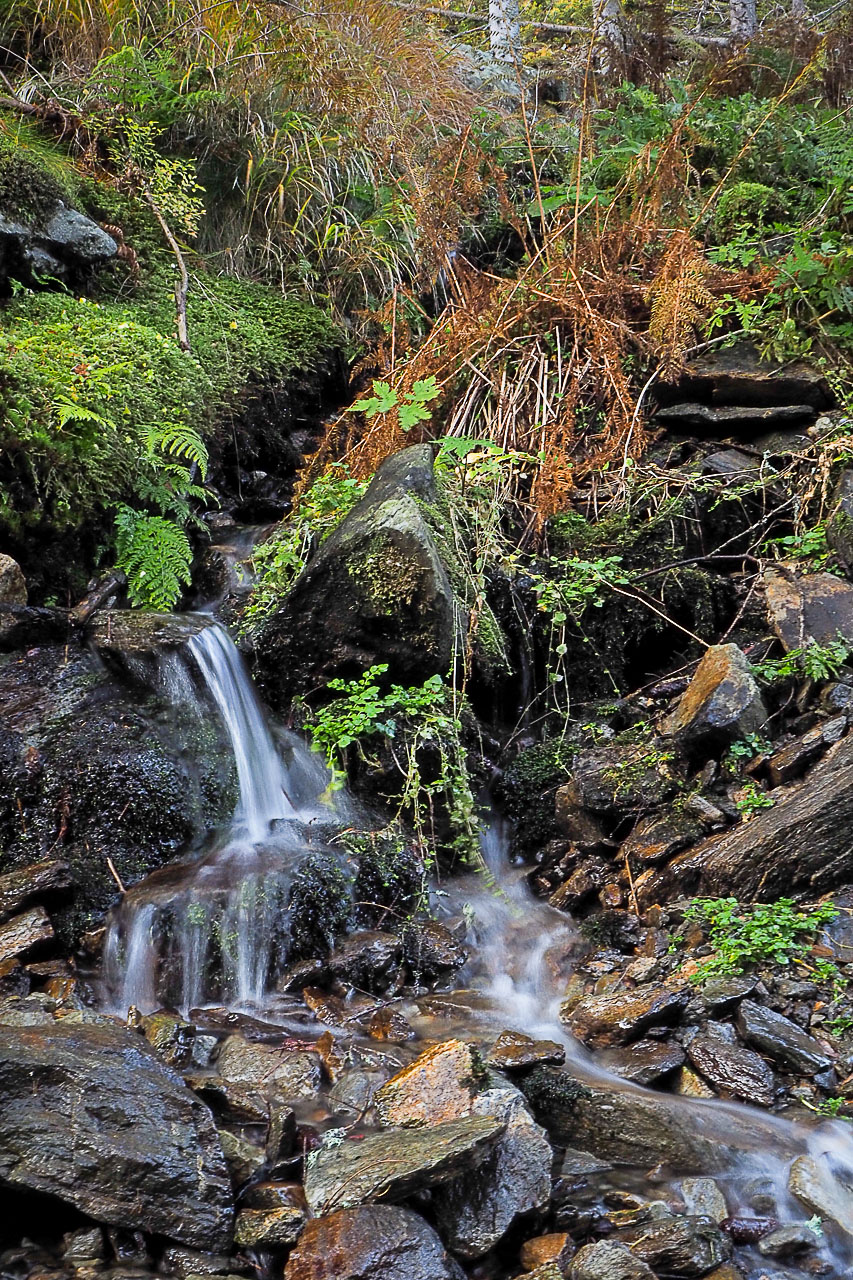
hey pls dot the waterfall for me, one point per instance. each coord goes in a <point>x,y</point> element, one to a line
<point>260,773</point>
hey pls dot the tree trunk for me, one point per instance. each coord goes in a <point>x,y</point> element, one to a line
<point>611,37</point>
<point>743,19</point>
<point>505,31</point>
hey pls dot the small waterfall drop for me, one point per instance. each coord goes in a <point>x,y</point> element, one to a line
<point>261,775</point>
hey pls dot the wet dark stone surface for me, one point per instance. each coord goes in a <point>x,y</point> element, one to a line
<point>369,1243</point>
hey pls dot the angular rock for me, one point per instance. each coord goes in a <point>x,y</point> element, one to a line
<point>177,1261</point>
<point>738,420</point>
<point>623,778</point>
<point>13,584</point>
<point>819,1191</point>
<point>268,1228</point>
<point>430,949</point>
<point>622,1016</point>
<point>292,1074</point>
<point>556,1248</point>
<point>704,1199</point>
<point>18,888</point>
<point>243,1158</point>
<point>23,933</point>
<point>800,845</point>
<point>839,526</point>
<point>608,1260</point>
<point>737,1072</point>
<point>658,838</point>
<point>647,1061</point>
<point>69,232</point>
<point>785,1242</point>
<point>373,1242</point>
<point>437,1086</point>
<point>679,1246</point>
<point>721,704</point>
<point>376,591</point>
<point>391,1164</point>
<point>782,1040</point>
<point>475,1211</point>
<point>514,1051</point>
<point>739,376</point>
<point>90,1115</point>
<point>576,823</point>
<point>813,608</point>
<point>365,959</point>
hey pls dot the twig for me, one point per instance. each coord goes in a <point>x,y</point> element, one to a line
<point>115,875</point>
<point>182,284</point>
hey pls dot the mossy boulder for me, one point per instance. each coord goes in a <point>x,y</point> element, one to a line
<point>93,770</point>
<point>376,591</point>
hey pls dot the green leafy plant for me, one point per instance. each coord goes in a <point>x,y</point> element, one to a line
<point>809,545</point>
<point>421,718</point>
<point>411,407</point>
<point>752,800</point>
<point>757,933</point>
<point>813,661</point>
<point>744,750</point>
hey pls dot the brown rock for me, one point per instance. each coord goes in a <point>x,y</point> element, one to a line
<point>621,1016</point>
<point>437,1086</point>
<point>576,823</point>
<point>22,933</point>
<point>370,1242</point>
<point>557,1248</point>
<point>647,1061</point>
<point>268,1228</point>
<point>17,888</point>
<point>513,1051</point>
<point>722,702</point>
<point>815,607</point>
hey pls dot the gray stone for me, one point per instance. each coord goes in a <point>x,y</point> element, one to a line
<point>365,958</point>
<point>608,1260</point>
<point>71,232</point>
<point>738,375</point>
<point>784,1242</point>
<point>376,591</point>
<point>819,1191</point>
<point>292,1074</point>
<point>23,933</point>
<point>13,584</point>
<point>646,1061</point>
<point>268,1228</point>
<point>781,1039</point>
<point>721,704</point>
<point>738,419</point>
<point>17,888</point>
<point>733,1071</point>
<point>372,1242</point>
<point>704,1199</point>
<point>685,1246</point>
<point>243,1158</point>
<point>393,1163</point>
<point>476,1210</point>
<point>839,526</point>
<point>89,1114</point>
<point>816,607</point>
<point>720,995</point>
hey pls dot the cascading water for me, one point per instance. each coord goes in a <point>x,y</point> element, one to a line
<point>215,928</point>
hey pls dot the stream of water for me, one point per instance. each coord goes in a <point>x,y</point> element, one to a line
<point>212,930</point>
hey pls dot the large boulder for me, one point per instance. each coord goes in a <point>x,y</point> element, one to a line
<point>815,608</point>
<point>803,844</point>
<point>13,584</point>
<point>93,769</point>
<point>89,1114</point>
<point>376,591</point>
<point>373,1242</point>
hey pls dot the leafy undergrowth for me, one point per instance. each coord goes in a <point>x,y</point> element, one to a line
<point>743,935</point>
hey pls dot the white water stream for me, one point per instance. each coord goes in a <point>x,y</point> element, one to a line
<point>212,929</point>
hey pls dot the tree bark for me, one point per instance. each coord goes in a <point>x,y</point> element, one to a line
<point>743,19</point>
<point>505,31</point>
<point>611,36</point>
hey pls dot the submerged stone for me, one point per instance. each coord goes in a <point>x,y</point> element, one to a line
<point>819,1191</point>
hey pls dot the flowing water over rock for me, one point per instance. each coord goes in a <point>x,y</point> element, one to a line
<point>217,929</point>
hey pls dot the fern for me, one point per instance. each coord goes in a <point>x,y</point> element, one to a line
<point>179,440</point>
<point>155,554</point>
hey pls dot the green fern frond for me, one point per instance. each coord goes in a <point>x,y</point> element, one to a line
<point>155,554</point>
<point>181,441</point>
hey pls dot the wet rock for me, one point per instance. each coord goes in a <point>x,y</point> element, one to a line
<point>437,1086</point>
<point>281,1133</point>
<point>745,1230</point>
<point>22,934</point>
<point>18,888</point>
<point>819,1191</point>
<point>134,641</point>
<point>785,1242</point>
<point>585,880</point>
<point>658,838</point>
<point>704,1199</point>
<point>722,703</point>
<point>84,1246</point>
<point>514,1051</point>
<point>800,845</point>
<point>275,1195</point>
<point>367,1243</point>
<point>186,1262</point>
<point>291,1074</point>
<point>239,1103</point>
<point>170,1036</point>
<point>608,1260</point>
<point>430,949</point>
<point>376,591</point>
<point>14,979</point>
<point>476,1210</point>
<point>742,420</point>
<point>793,759</point>
<point>738,376</point>
<point>736,1072</point>
<point>781,1039</point>
<point>243,1158</point>
<point>13,584</point>
<point>365,959</point>
<point>390,1026</point>
<point>90,1115</point>
<point>621,1016</point>
<point>815,607</point>
<point>679,1246</point>
<point>393,1163</point>
<point>268,1228</point>
<point>839,526</point>
<point>625,778</point>
<point>647,1061</point>
<point>557,1248</point>
<point>721,995</point>
<point>576,823</point>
